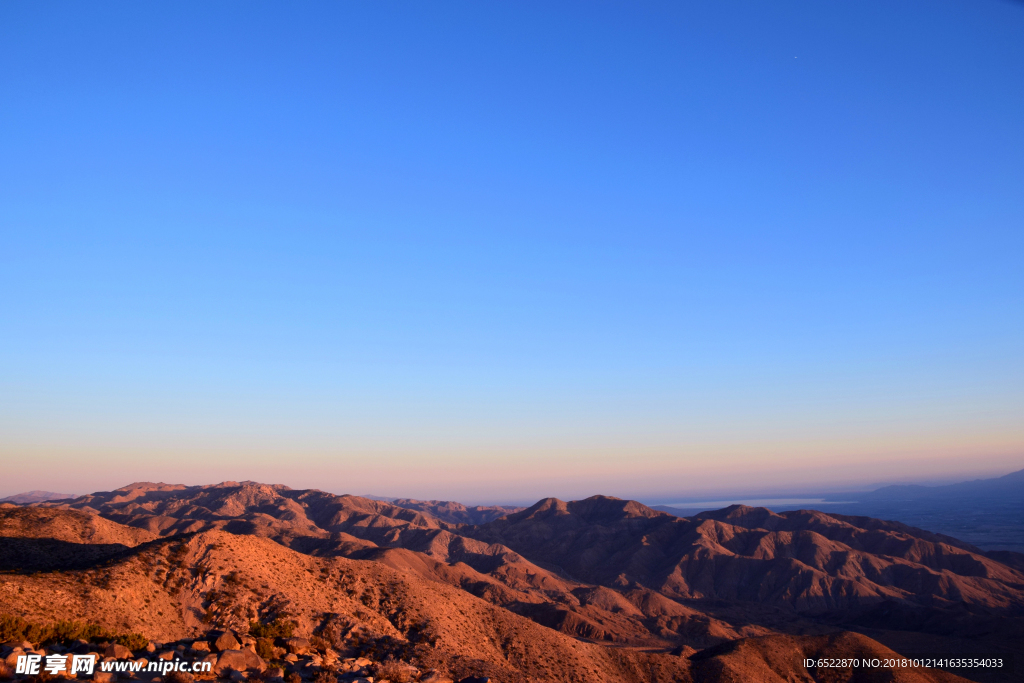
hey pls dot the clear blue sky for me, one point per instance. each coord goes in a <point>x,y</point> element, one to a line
<point>502,250</point>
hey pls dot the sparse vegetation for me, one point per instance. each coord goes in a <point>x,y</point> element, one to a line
<point>326,674</point>
<point>178,677</point>
<point>265,648</point>
<point>393,671</point>
<point>278,628</point>
<point>15,628</point>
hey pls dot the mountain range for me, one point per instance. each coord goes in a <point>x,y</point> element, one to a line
<point>600,589</point>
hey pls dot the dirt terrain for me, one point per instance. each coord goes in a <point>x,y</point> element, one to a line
<point>594,590</point>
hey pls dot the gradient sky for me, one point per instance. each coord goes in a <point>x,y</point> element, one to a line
<point>494,251</point>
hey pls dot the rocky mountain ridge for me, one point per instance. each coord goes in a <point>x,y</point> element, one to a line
<point>599,572</point>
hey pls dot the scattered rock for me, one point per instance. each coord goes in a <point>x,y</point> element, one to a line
<point>166,654</point>
<point>117,651</point>
<point>291,658</point>
<point>201,646</point>
<point>227,641</point>
<point>238,660</point>
<point>104,677</point>
<point>150,646</point>
<point>297,646</point>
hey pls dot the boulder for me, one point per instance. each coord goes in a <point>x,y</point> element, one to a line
<point>238,660</point>
<point>227,641</point>
<point>12,659</point>
<point>117,651</point>
<point>167,655</point>
<point>274,672</point>
<point>297,646</point>
<point>201,646</point>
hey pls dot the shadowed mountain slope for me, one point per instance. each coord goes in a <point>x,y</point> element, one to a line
<point>609,571</point>
<point>805,559</point>
<point>457,513</point>
<point>175,588</point>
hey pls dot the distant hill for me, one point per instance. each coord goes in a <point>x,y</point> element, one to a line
<point>457,513</point>
<point>35,497</point>
<point>1007,486</point>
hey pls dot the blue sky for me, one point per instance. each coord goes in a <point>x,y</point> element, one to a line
<point>496,251</point>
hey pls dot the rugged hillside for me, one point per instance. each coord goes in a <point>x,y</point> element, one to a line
<point>68,526</point>
<point>325,525</point>
<point>457,513</point>
<point>805,560</point>
<point>616,573</point>
<point>180,587</point>
<point>36,539</point>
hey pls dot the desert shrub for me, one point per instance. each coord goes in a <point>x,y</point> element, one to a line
<point>265,648</point>
<point>73,630</point>
<point>132,641</point>
<point>393,671</point>
<point>319,643</point>
<point>278,628</point>
<point>12,627</point>
<point>15,628</point>
<point>326,675</point>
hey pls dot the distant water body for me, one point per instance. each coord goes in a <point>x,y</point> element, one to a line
<point>758,503</point>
